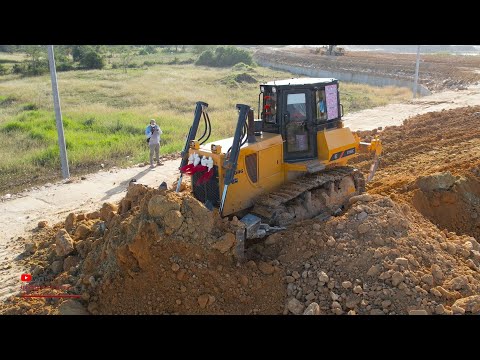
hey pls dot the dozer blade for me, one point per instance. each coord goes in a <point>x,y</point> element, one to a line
<point>373,168</point>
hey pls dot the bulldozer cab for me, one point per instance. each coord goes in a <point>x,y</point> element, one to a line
<point>297,109</point>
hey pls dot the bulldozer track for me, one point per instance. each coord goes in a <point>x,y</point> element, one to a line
<point>272,205</point>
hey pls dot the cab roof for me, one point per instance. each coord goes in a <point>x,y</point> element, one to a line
<point>301,81</point>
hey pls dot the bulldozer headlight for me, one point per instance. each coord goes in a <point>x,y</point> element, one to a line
<point>262,89</point>
<point>274,89</point>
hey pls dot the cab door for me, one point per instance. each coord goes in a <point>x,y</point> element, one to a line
<point>298,127</point>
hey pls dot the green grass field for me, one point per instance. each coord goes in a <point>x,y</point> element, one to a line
<point>105,113</point>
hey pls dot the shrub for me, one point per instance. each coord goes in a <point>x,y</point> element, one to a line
<point>225,56</point>
<point>3,69</point>
<point>243,67</point>
<point>187,61</point>
<point>37,68</point>
<point>148,49</point>
<point>18,69</point>
<point>89,122</point>
<point>92,60</point>
<point>79,51</point>
<point>206,58</point>
<point>31,69</point>
<point>65,66</point>
<point>29,107</point>
<point>198,49</point>
<point>6,100</point>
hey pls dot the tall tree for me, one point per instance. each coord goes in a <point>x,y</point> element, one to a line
<point>35,53</point>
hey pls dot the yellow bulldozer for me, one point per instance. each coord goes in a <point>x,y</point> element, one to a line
<point>287,165</point>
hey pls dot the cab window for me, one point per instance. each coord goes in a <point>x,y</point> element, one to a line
<point>321,105</point>
<point>296,106</point>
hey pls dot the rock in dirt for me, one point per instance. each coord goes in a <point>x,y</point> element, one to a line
<point>70,221</point>
<point>225,243</point>
<point>357,289</point>
<point>437,272</point>
<point>457,310</point>
<point>397,278</point>
<point>272,239</point>
<point>266,268</point>
<point>63,242</point>
<point>374,270</point>
<point>30,247</point>
<point>401,261</point>
<point>362,216</point>
<point>470,304</point>
<point>173,219</point>
<point>363,228</point>
<point>69,262</point>
<point>42,224</point>
<point>107,211</point>
<point>438,181</point>
<point>295,306</point>
<point>322,277</point>
<point>82,231</point>
<point>312,309</point>
<point>159,205</point>
<point>418,312</point>
<point>203,300</point>
<point>93,215</point>
<point>175,267</point>
<point>357,198</point>
<point>72,307</point>
<point>57,266</point>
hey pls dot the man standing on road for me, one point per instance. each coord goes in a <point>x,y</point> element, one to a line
<point>153,133</point>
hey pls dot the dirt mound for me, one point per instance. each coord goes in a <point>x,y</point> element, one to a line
<point>456,208</point>
<point>165,253</point>
<point>243,67</point>
<point>157,252</point>
<point>237,79</point>
<point>380,257</point>
<point>417,158</point>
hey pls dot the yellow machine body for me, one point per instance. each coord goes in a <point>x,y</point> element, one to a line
<point>261,168</point>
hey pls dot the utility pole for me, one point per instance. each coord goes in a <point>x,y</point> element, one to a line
<point>58,114</point>
<point>416,73</point>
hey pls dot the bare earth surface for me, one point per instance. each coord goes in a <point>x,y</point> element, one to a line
<point>54,202</point>
<point>395,114</point>
<point>21,214</point>
<point>437,72</point>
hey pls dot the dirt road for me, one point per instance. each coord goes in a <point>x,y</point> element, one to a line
<point>21,214</point>
<point>394,114</point>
